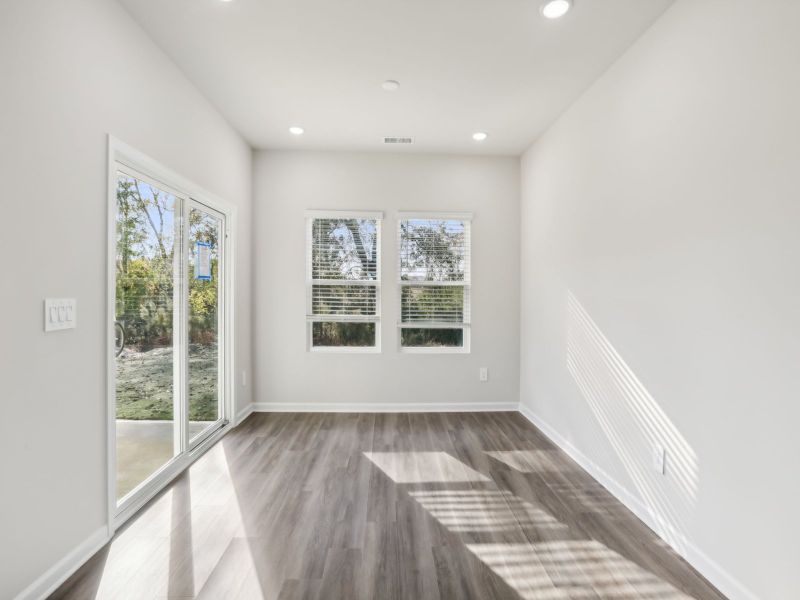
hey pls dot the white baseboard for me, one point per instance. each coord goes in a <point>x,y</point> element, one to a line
<point>61,571</point>
<point>384,407</point>
<point>243,414</point>
<point>706,566</point>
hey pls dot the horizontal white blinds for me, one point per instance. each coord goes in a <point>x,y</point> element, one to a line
<point>344,248</point>
<point>434,271</point>
<point>436,304</point>
<point>343,268</point>
<point>344,300</point>
<point>434,250</point>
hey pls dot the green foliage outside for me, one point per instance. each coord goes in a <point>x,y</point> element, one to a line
<point>431,250</point>
<point>144,306</point>
<point>203,307</point>
<point>344,249</point>
<point>343,334</point>
<point>144,283</point>
<point>418,338</point>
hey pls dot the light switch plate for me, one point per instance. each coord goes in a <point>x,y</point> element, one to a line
<point>60,313</point>
<point>483,374</point>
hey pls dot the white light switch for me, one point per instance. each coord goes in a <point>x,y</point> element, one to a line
<point>60,313</point>
<point>483,374</point>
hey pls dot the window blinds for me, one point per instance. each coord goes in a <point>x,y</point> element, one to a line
<point>343,267</point>
<point>434,271</point>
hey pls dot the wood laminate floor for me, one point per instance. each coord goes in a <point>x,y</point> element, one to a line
<point>386,506</point>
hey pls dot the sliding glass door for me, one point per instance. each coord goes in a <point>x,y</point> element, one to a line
<point>148,228</point>
<point>206,230</point>
<point>169,308</point>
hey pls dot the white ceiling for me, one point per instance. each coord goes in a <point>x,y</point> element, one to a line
<point>463,65</point>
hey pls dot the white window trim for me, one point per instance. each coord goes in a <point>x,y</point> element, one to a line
<point>436,216</point>
<point>466,327</point>
<point>344,214</point>
<point>310,215</point>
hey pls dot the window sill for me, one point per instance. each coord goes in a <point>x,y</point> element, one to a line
<point>420,350</point>
<point>344,350</point>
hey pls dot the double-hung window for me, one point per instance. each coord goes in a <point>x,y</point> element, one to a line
<point>343,276</point>
<point>434,281</point>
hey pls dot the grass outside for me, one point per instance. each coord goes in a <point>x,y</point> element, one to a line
<point>144,384</point>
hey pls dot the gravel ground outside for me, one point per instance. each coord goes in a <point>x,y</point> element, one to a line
<point>144,384</point>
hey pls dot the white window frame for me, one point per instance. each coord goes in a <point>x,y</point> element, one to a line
<point>122,157</point>
<point>310,216</point>
<point>466,284</point>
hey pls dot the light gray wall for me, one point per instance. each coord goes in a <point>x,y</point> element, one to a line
<point>660,281</point>
<point>71,73</point>
<point>288,183</point>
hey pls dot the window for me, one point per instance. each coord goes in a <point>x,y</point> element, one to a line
<point>434,273</point>
<point>343,280</point>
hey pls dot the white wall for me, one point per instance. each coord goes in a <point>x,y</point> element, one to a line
<point>71,73</point>
<point>288,183</point>
<point>660,283</point>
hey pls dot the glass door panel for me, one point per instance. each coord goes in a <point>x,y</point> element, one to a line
<point>147,227</point>
<point>206,236</point>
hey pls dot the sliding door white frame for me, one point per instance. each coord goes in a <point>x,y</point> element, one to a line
<point>225,369</point>
<point>127,159</point>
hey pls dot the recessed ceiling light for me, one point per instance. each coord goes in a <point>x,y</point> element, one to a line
<point>296,130</point>
<point>479,136</point>
<point>554,9</point>
<point>390,85</point>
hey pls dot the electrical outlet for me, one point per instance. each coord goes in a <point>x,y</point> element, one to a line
<point>483,374</point>
<point>659,459</point>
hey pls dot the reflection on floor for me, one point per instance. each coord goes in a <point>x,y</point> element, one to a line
<point>386,506</point>
<point>530,461</point>
<point>143,447</point>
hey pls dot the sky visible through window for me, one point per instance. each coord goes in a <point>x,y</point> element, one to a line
<point>432,250</point>
<point>159,210</point>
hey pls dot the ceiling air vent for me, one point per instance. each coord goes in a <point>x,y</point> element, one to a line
<point>398,140</point>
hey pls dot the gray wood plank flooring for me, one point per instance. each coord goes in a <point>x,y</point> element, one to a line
<point>386,506</point>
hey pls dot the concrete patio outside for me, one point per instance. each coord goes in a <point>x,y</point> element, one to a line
<point>143,447</point>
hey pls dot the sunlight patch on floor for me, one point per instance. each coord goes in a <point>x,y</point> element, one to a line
<point>532,461</point>
<point>423,467</point>
<point>484,511</point>
<point>587,496</point>
<point>570,569</point>
<point>558,569</point>
<point>174,547</point>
